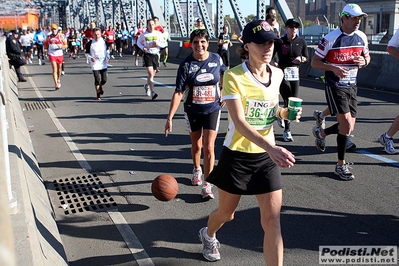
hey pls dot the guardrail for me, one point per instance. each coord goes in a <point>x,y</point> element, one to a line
<point>7,200</point>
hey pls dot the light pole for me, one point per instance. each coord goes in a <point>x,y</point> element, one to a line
<point>228,23</point>
<point>328,24</point>
<point>300,20</point>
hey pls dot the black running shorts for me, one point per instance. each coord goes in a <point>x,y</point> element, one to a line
<point>245,173</point>
<point>197,122</point>
<point>342,101</point>
<point>151,60</point>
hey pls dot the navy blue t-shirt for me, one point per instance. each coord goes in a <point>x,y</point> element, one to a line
<point>199,80</point>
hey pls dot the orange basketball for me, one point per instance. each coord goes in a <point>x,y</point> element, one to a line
<point>164,187</point>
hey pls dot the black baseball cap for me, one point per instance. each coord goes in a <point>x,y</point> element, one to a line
<point>258,31</point>
<point>292,22</point>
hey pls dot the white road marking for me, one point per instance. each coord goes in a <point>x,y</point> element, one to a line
<point>34,85</point>
<point>378,157</point>
<point>134,245</point>
<point>158,83</point>
<point>131,239</point>
<point>72,146</point>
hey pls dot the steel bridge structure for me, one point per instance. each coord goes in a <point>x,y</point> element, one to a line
<point>78,13</point>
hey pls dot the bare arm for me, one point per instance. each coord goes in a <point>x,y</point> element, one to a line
<point>279,155</point>
<point>239,39</point>
<point>174,104</point>
<point>392,50</point>
<point>339,71</point>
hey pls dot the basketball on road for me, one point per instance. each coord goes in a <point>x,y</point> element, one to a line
<point>164,187</point>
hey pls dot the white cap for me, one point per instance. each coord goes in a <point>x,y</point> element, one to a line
<point>353,10</point>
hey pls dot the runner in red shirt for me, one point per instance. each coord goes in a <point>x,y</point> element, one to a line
<point>55,42</point>
<point>157,26</point>
<point>109,37</point>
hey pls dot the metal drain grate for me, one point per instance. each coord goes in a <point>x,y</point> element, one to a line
<point>36,106</point>
<point>84,193</point>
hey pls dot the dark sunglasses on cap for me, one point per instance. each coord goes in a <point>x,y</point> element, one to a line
<point>354,18</point>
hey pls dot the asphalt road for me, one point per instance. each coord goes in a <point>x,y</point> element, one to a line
<point>120,141</point>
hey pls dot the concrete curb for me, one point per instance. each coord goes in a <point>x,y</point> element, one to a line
<point>36,237</point>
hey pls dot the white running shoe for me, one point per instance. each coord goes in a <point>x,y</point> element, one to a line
<point>343,172</point>
<point>350,145</point>
<point>206,191</point>
<point>63,73</point>
<point>40,62</point>
<point>320,122</point>
<point>387,143</point>
<point>287,136</point>
<point>196,180</point>
<point>113,57</point>
<point>210,249</point>
<point>280,122</point>
<point>319,141</point>
<point>147,90</point>
<point>137,62</point>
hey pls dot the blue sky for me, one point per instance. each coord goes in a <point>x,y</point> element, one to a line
<point>247,7</point>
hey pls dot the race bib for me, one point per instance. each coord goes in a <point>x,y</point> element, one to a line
<point>110,37</point>
<point>73,43</point>
<point>291,73</point>
<point>204,94</point>
<point>40,38</point>
<point>351,77</point>
<point>120,35</point>
<point>54,46</point>
<point>260,114</point>
<point>225,46</point>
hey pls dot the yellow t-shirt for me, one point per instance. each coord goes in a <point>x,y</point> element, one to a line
<point>259,103</point>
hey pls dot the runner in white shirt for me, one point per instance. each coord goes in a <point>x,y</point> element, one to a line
<point>26,41</point>
<point>150,43</point>
<point>98,55</point>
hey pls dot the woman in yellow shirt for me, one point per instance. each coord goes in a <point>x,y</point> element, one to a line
<point>250,161</point>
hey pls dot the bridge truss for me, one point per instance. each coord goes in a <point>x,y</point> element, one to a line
<point>78,13</point>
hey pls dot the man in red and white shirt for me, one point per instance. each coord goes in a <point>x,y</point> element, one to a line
<point>109,36</point>
<point>340,54</point>
<point>55,42</point>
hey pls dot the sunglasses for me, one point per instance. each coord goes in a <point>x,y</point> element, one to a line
<point>292,27</point>
<point>354,18</point>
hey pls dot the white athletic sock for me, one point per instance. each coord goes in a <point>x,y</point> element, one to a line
<point>207,237</point>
